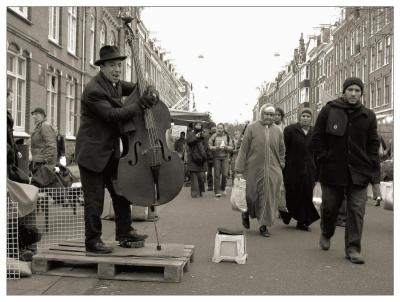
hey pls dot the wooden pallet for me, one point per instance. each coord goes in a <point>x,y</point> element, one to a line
<point>143,264</point>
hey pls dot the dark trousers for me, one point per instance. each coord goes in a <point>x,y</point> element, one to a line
<point>93,184</point>
<point>221,167</point>
<point>197,184</point>
<point>342,212</point>
<point>332,198</point>
<point>210,179</point>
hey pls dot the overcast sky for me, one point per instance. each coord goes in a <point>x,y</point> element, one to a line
<point>238,45</point>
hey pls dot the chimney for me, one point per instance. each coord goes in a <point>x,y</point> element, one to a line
<point>325,34</point>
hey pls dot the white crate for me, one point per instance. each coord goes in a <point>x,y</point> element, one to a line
<point>230,248</point>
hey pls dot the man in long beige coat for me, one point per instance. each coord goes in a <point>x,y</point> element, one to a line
<point>260,161</point>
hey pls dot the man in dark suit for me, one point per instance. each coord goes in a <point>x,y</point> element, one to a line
<point>97,145</point>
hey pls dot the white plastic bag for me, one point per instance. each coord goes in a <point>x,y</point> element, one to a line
<point>238,196</point>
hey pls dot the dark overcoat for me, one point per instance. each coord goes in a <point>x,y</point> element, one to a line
<point>300,174</point>
<point>11,148</point>
<point>193,142</point>
<point>102,113</point>
<point>346,144</point>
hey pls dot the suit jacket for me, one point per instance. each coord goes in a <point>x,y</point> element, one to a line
<point>102,117</point>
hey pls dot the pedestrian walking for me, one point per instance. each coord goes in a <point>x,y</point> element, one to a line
<point>260,161</point>
<point>180,145</point>
<point>220,144</point>
<point>279,116</point>
<point>346,143</point>
<point>98,146</point>
<point>210,161</point>
<point>283,211</point>
<point>197,158</point>
<point>13,171</point>
<point>237,141</point>
<point>43,141</point>
<point>300,172</point>
<point>61,159</point>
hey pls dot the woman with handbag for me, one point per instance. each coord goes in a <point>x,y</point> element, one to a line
<point>197,159</point>
<point>220,144</point>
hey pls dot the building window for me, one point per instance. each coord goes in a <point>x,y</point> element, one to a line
<point>52,96</point>
<point>346,46</point>
<point>92,38</point>
<point>373,58</point>
<point>387,49</point>
<point>103,34</point>
<point>373,22</point>
<point>379,99</point>
<point>357,41</point>
<point>72,16</point>
<point>54,24</point>
<point>387,15</point>
<point>364,33</point>
<point>372,95</point>
<point>16,81</point>
<point>70,107</point>
<point>337,54</point>
<point>20,10</point>
<point>113,40</point>
<point>341,51</point>
<point>358,69</point>
<point>128,63</point>
<point>380,19</point>
<point>365,70</point>
<point>352,70</point>
<point>352,42</point>
<point>379,47</point>
<point>386,91</point>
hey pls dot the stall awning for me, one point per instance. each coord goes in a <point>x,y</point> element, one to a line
<point>181,117</point>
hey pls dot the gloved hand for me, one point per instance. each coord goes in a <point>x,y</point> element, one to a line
<point>149,98</point>
<point>63,161</point>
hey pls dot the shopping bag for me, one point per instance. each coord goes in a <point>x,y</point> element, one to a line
<point>25,195</point>
<point>238,196</point>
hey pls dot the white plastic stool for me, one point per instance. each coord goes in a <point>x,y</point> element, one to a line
<point>230,248</point>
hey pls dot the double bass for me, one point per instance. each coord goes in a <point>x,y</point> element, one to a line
<point>149,174</point>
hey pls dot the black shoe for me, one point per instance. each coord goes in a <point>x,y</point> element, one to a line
<point>324,243</point>
<point>264,231</point>
<point>285,216</point>
<point>378,201</point>
<point>355,257</point>
<point>246,220</point>
<point>132,236</point>
<point>303,227</point>
<point>99,248</point>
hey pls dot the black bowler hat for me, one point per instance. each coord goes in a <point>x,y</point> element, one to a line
<point>39,110</point>
<point>107,53</point>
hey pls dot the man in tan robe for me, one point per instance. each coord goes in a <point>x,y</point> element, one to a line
<point>260,161</point>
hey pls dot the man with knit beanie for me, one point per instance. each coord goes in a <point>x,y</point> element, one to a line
<point>346,144</point>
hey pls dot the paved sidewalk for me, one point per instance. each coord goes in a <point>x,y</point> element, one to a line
<point>289,262</point>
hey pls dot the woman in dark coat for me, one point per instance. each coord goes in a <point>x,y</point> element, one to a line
<point>197,159</point>
<point>300,172</point>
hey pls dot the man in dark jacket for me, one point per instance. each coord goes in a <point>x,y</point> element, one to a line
<point>346,144</point>
<point>97,145</point>
<point>12,153</point>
